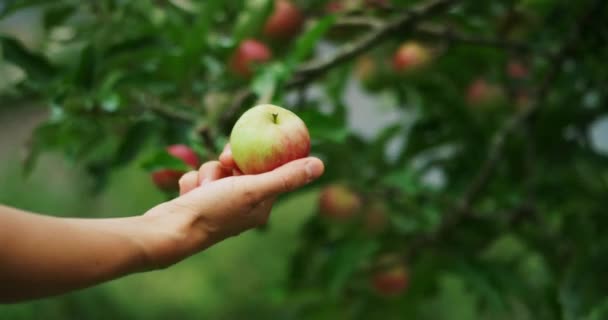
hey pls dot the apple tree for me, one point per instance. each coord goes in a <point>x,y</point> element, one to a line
<point>488,172</point>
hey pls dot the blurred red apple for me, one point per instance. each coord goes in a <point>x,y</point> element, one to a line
<point>266,137</point>
<point>370,73</point>
<point>248,53</point>
<point>411,56</point>
<point>334,7</point>
<point>168,179</point>
<point>516,70</point>
<point>285,21</point>
<point>481,92</point>
<point>339,202</point>
<point>391,281</point>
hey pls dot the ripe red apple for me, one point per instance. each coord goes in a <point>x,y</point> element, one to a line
<point>480,93</point>
<point>411,56</point>
<point>391,281</point>
<point>285,21</point>
<point>339,202</point>
<point>367,70</point>
<point>517,70</point>
<point>248,53</point>
<point>167,179</point>
<point>266,137</point>
<point>375,219</point>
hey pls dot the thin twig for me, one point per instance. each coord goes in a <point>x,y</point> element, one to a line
<point>455,37</point>
<point>433,31</point>
<point>148,102</point>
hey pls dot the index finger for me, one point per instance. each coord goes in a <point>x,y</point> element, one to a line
<point>226,158</point>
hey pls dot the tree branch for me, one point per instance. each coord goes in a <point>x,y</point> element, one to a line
<point>433,31</point>
<point>406,21</point>
<point>313,69</point>
<point>147,102</point>
<point>437,32</point>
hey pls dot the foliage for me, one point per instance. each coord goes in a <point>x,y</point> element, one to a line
<point>501,200</point>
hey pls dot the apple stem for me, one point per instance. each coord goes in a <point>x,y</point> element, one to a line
<point>274,117</point>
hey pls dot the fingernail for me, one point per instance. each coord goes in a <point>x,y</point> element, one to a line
<point>206,180</point>
<point>314,169</point>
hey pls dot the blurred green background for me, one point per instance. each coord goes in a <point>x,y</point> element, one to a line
<point>467,140</point>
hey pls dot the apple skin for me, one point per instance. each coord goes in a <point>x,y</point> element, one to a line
<point>168,179</point>
<point>391,281</point>
<point>248,53</point>
<point>482,93</point>
<point>411,56</point>
<point>285,21</point>
<point>266,137</point>
<point>338,202</point>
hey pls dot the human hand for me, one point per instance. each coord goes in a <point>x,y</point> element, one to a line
<point>217,202</point>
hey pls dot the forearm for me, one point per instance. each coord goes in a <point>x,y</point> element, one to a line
<point>41,255</point>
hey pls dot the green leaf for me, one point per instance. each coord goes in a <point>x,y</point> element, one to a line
<point>163,160</point>
<point>324,127</point>
<point>251,18</point>
<point>134,141</point>
<point>56,15</point>
<point>264,85</point>
<point>85,72</point>
<point>379,145</point>
<point>346,260</point>
<point>306,42</point>
<point>40,140</point>
<point>403,179</point>
<point>36,66</point>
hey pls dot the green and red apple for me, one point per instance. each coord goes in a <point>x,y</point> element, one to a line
<point>411,56</point>
<point>266,137</point>
<point>339,202</point>
<point>390,281</point>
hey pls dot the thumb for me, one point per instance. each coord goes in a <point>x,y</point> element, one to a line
<point>288,177</point>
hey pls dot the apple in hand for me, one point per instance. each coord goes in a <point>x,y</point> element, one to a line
<point>285,21</point>
<point>247,54</point>
<point>266,137</point>
<point>411,56</point>
<point>339,202</point>
<point>390,281</point>
<point>168,179</point>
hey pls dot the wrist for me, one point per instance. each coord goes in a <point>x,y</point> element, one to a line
<point>166,235</point>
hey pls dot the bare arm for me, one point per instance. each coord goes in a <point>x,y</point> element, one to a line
<point>42,256</point>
